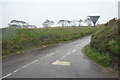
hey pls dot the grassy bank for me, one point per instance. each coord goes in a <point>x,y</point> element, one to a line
<point>103,47</point>
<point>99,57</point>
<point>19,39</point>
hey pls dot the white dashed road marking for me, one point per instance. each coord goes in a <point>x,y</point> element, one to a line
<point>6,75</point>
<point>15,71</point>
<point>63,57</point>
<point>63,63</point>
<point>26,66</point>
<point>34,61</point>
<point>73,50</point>
<point>49,55</point>
<point>57,62</point>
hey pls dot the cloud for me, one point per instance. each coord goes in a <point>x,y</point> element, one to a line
<point>37,12</point>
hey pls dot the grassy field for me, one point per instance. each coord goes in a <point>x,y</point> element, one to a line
<point>103,47</point>
<point>20,39</point>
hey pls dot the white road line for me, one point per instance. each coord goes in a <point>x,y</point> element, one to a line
<point>49,55</point>
<point>64,55</point>
<point>34,61</point>
<point>46,56</point>
<point>19,69</point>
<point>52,53</point>
<point>73,50</point>
<point>11,73</point>
<point>7,75</point>
<point>15,71</point>
<point>68,53</point>
<point>26,66</point>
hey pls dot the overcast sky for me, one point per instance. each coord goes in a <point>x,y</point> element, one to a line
<point>37,11</point>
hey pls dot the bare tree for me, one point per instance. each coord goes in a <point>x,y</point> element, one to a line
<point>51,23</point>
<point>47,23</point>
<point>13,23</point>
<point>80,21</point>
<point>69,22</point>
<point>62,22</point>
<point>74,23</point>
<point>34,26</point>
<point>66,23</point>
<point>24,24</point>
<point>19,24</point>
<point>88,21</point>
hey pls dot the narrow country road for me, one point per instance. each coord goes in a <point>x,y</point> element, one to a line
<point>64,60</point>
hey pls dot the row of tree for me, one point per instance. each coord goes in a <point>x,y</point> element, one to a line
<point>68,23</point>
<point>49,23</point>
<point>20,24</point>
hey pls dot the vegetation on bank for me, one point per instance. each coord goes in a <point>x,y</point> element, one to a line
<point>19,39</point>
<point>103,47</point>
<point>99,57</point>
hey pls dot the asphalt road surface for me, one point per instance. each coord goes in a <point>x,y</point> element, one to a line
<point>64,60</point>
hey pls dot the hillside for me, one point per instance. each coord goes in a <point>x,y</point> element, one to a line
<point>103,47</point>
<point>20,39</point>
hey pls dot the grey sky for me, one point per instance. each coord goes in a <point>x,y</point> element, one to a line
<point>35,12</point>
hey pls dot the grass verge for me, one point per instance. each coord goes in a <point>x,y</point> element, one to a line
<point>98,57</point>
